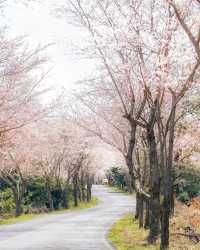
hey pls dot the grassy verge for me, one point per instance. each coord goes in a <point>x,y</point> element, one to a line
<point>27,217</point>
<point>126,235</point>
<point>82,205</point>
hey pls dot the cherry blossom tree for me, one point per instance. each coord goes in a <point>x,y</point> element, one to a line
<point>142,69</point>
<point>17,166</point>
<point>21,75</point>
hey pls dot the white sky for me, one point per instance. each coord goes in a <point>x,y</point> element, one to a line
<point>42,27</point>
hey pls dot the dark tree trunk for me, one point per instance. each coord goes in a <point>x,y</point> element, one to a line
<point>79,193</point>
<point>129,184</point>
<point>129,156</point>
<point>19,206</point>
<point>154,203</point>
<point>65,198</point>
<point>146,223</point>
<point>49,197</point>
<point>137,206</point>
<point>165,223</point>
<point>75,190</point>
<point>83,192</point>
<point>18,190</point>
<point>168,184</point>
<point>50,202</point>
<point>134,176</point>
<point>141,212</point>
<point>83,187</point>
<point>154,214</point>
<point>172,203</point>
<point>89,192</point>
<point>135,179</point>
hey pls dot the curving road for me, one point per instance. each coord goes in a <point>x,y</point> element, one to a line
<point>80,230</point>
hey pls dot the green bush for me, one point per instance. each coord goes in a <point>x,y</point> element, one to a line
<point>183,197</point>
<point>35,198</point>
<point>36,193</point>
<point>116,177</point>
<point>7,204</point>
<point>187,183</point>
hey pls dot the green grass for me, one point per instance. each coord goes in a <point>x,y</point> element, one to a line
<point>22,218</point>
<point>126,235</point>
<point>82,205</point>
<point>27,217</point>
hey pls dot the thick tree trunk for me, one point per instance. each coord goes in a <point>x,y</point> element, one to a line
<point>172,203</point>
<point>83,192</point>
<point>65,198</point>
<point>89,192</point>
<point>19,206</point>
<point>18,190</point>
<point>165,223</point>
<point>79,193</point>
<point>137,206</point>
<point>135,178</point>
<point>49,197</point>
<point>18,187</point>
<point>141,213</point>
<point>168,184</point>
<point>50,202</point>
<point>146,223</point>
<point>154,203</point>
<point>154,213</point>
<point>129,184</point>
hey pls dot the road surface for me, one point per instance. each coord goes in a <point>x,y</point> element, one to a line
<point>79,230</point>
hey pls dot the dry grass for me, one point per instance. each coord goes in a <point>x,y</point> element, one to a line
<point>126,234</point>
<point>185,216</point>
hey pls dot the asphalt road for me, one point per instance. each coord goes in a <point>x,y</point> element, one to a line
<point>80,230</point>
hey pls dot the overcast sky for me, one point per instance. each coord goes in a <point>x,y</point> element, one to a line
<point>42,27</point>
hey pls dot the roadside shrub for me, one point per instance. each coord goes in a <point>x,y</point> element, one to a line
<point>36,193</point>
<point>35,197</point>
<point>57,197</point>
<point>184,197</point>
<point>117,177</point>
<point>7,204</point>
<point>34,210</point>
<point>187,183</point>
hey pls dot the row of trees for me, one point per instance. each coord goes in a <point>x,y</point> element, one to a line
<point>142,97</point>
<point>35,141</point>
<point>56,155</point>
<point>141,100</point>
